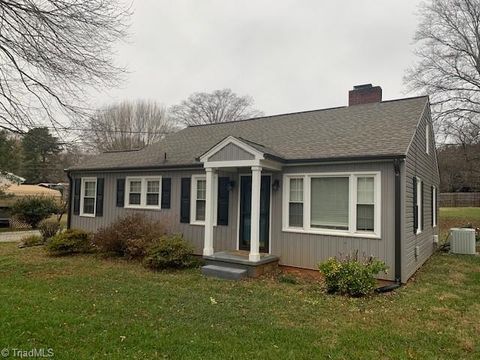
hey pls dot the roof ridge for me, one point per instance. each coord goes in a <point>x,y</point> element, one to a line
<point>303,112</point>
<point>119,151</point>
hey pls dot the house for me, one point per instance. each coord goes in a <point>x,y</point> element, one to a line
<point>299,187</point>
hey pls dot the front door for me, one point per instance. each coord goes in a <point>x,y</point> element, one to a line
<point>246,211</point>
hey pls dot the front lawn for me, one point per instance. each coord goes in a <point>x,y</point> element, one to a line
<point>85,307</point>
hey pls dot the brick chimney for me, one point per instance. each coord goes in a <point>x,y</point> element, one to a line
<point>364,94</point>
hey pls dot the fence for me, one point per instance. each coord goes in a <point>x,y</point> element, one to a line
<point>459,199</point>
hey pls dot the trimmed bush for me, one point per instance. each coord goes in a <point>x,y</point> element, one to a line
<point>71,241</point>
<point>32,240</point>
<point>170,251</point>
<point>33,209</point>
<point>350,276</point>
<point>129,236</point>
<point>48,228</point>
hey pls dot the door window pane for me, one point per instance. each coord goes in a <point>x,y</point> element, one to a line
<point>329,202</point>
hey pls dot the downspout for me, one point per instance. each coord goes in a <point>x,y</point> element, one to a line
<point>398,232</point>
<point>70,188</point>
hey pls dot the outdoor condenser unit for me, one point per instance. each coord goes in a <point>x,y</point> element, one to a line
<point>463,241</point>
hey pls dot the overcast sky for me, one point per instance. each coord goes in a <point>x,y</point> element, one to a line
<point>289,55</point>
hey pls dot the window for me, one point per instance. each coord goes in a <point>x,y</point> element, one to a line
<point>434,206</point>
<point>88,197</point>
<point>201,197</point>
<point>419,205</point>
<point>295,204</point>
<point>144,192</point>
<point>198,201</point>
<point>346,204</point>
<point>329,203</point>
<point>427,139</point>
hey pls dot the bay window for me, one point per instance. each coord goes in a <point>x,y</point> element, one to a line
<point>346,204</point>
<point>143,192</point>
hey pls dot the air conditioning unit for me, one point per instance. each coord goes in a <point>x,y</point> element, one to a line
<point>463,241</point>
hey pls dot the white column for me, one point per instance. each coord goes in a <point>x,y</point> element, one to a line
<point>208,245</point>
<point>255,214</point>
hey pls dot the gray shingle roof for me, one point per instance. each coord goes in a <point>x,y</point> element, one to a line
<point>377,129</point>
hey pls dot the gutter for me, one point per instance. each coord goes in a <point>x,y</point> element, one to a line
<point>70,197</point>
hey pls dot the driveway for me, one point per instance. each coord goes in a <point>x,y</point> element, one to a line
<point>14,236</point>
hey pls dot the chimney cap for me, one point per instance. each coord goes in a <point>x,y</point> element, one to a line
<point>362,86</point>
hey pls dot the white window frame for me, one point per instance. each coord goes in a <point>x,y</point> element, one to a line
<point>427,139</point>
<point>419,205</point>
<point>352,215</point>
<point>193,199</point>
<point>434,207</point>
<point>143,192</point>
<point>297,202</point>
<point>82,196</point>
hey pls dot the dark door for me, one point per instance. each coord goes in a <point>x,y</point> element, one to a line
<point>246,211</point>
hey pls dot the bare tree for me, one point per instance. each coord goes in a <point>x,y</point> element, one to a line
<point>216,107</point>
<point>127,126</point>
<point>50,50</point>
<point>448,68</point>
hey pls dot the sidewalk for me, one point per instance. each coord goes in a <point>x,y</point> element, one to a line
<point>14,236</point>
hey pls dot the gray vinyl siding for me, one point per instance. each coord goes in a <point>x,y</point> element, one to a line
<point>294,249</point>
<point>418,163</point>
<point>231,152</point>
<point>307,250</point>
<point>224,236</point>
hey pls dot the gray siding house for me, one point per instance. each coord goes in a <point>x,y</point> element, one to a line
<point>304,186</point>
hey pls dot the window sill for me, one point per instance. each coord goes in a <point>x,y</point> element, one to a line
<point>141,207</point>
<point>87,215</point>
<point>333,233</point>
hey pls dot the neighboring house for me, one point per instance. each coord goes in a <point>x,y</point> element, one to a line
<point>15,191</point>
<point>303,186</point>
<point>7,178</point>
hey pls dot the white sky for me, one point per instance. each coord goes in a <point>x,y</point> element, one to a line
<point>289,55</point>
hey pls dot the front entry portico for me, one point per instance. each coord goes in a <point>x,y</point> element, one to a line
<point>237,153</point>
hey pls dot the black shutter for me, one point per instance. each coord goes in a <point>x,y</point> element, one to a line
<point>185,201</point>
<point>222,206</point>
<point>100,187</point>
<point>431,205</point>
<point>166,190</point>
<point>76,196</point>
<point>415,210</point>
<point>422,204</point>
<point>120,192</point>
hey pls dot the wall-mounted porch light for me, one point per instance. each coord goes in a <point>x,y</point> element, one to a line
<point>276,185</point>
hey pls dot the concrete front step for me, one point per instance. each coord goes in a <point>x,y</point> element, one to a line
<point>224,272</point>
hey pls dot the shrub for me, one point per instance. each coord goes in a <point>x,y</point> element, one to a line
<point>129,236</point>
<point>33,209</point>
<point>71,241</point>
<point>32,240</point>
<point>351,276</point>
<point>48,228</point>
<point>170,251</point>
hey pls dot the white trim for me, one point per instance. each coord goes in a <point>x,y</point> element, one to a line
<point>143,192</point>
<point>209,208</point>
<point>419,205</point>
<point>434,207</point>
<point>82,196</point>
<point>352,212</point>
<point>193,199</point>
<point>427,138</point>
<point>258,155</point>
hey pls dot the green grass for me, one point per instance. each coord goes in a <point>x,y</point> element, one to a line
<point>85,307</point>
<point>455,217</point>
